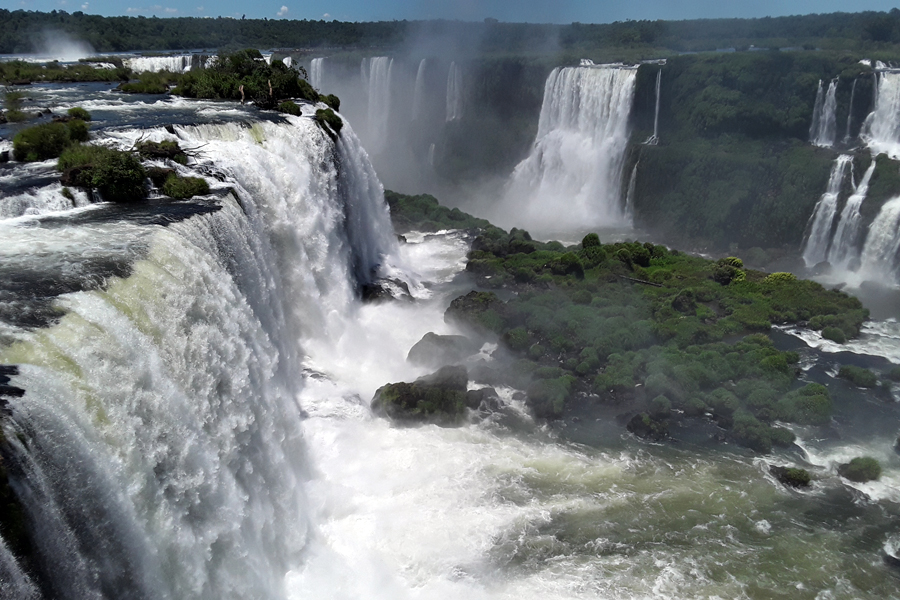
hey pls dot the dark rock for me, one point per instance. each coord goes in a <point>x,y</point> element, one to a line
<point>646,427</point>
<point>11,391</point>
<point>481,310</point>
<point>438,398</point>
<point>4,156</point>
<point>435,350</point>
<point>158,175</point>
<point>170,129</point>
<point>790,477</point>
<point>3,119</point>
<point>385,289</point>
<point>484,399</point>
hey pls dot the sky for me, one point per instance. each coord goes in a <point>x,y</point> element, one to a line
<point>535,11</point>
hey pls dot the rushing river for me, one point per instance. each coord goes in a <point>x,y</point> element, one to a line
<point>196,420</point>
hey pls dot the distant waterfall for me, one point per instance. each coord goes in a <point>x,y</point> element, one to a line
<point>454,93</point>
<point>419,91</point>
<point>844,244</point>
<point>879,255</point>
<point>815,249</point>
<point>174,64</point>
<point>881,131</point>
<point>573,177</point>
<point>376,72</point>
<point>316,72</point>
<point>850,111</point>
<point>824,124</point>
<point>654,139</point>
<point>287,61</point>
<point>629,195</point>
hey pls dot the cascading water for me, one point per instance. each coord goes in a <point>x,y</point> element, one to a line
<point>419,91</point>
<point>316,72</point>
<point>629,195</point>
<point>454,93</point>
<point>824,124</point>
<point>173,64</point>
<point>844,245</point>
<point>573,177</point>
<point>850,111</point>
<point>653,140</point>
<point>880,252</point>
<point>818,240</point>
<point>881,130</point>
<point>376,72</point>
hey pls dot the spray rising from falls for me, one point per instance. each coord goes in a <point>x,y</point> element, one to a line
<point>573,177</point>
<point>316,72</point>
<point>376,74</point>
<point>815,249</point>
<point>454,93</point>
<point>159,444</point>
<point>824,124</point>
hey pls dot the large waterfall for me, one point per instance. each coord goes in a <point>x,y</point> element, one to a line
<point>880,253</point>
<point>845,244</point>
<point>881,131</point>
<point>376,74</point>
<point>573,177</point>
<point>317,72</point>
<point>158,451</point>
<point>824,124</point>
<point>818,239</point>
<point>850,111</point>
<point>454,93</point>
<point>419,91</point>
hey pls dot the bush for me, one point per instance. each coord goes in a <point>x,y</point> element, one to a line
<point>591,240</point>
<point>834,334</point>
<point>289,107</point>
<point>184,187</point>
<point>860,377</point>
<point>809,405</point>
<point>165,150</point>
<point>117,175</point>
<point>76,112</point>
<point>41,142</point>
<point>326,116</point>
<point>78,130</point>
<point>780,277</point>
<point>860,469</point>
<point>332,101</point>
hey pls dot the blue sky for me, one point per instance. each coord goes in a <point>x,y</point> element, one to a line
<point>557,11</point>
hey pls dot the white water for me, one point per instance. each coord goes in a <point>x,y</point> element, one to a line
<point>173,64</point>
<point>454,93</point>
<point>850,111</point>
<point>815,248</point>
<point>629,195</point>
<point>824,124</point>
<point>317,72</point>
<point>419,91</point>
<point>654,139</point>
<point>879,254</point>
<point>376,73</point>
<point>573,177</point>
<point>40,200</point>
<point>844,246</point>
<point>881,131</point>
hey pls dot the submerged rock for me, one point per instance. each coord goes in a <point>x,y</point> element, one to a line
<point>438,398</point>
<point>484,399</point>
<point>790,476</point>
<point>435,350</point>
<point>645,426</point>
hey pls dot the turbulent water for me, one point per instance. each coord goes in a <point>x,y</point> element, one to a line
<point>881,131</point>
<point>845,244</point>
<point>196,421</point>
<point>174,64</point>
<point>824,124</point>
<point>573,177</point>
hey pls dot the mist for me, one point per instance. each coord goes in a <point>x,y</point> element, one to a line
<point>59,45</point>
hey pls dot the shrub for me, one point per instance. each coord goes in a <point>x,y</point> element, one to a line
<point>78,130</point>
<point>326,116</point>
<point>591,240</point>
<point>332,101</point>
<point>809,405</point>
<point>41,142</point>
<point>732,261</point>
<point>860,377</point>
<point>165,150</point>
<point>118,176</point>
<point>76,112</point>
<point>289,107</point>
<point>184,187</point>
<point>780,277</point>
<point>860,469</point>
<point>834,334</point>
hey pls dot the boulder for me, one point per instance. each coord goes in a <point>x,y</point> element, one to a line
<point>383,290</point>
<point>646,427</point>
<point>435,350</point>
<point>484,399</point>
<point>860,469</point>
<point>791,477</point>
<point>438,398</point>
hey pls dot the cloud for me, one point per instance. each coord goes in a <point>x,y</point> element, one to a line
<point>134,10</point>
<point>84,6</point>
<point>200,9</point>
<point>283,12</point>
<point>326,16</point>
<point>171,10</point>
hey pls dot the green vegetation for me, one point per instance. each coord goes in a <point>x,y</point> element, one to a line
<point>76,112</point>
<point>13,102</point>
<point>632,323</point>
<point>289,107</point>
<point>165,150</point>
<point>151,83</point>
<point>424,213</point>
<point>326,116</point>
<point>117,175</point>
<point>437,398</point>
<point>859,376</point>
<point>860,469</point>
<point>791,477</point>
<point>49,140</point>
<point>21,72</point>
<point>182,188</point>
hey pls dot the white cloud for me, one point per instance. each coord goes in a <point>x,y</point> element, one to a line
<point>134,10</point>
<point>200,9</point>
<point>84,6</point>
<point>283,11</point>
<point>326,16</point>
<point>171,10</point>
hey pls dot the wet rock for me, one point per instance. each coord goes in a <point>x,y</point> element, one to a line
<point>435,350</point>
<point>439,398</point>
<point>860,469</point>
<point>791,477</point>
<point>483,399</point>
<point>382,290</point>
<point>4,156</point>
<point>646,427</point>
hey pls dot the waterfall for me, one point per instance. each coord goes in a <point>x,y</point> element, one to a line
<point>629,195</point>
<point>454,93</point>
<point>573,176</point>
<point>879,255</point>
<point>316,72</point>
<point>419,91</point>
<point>158,449</point>
<point>654,139</point>
<point>174,64</point>
<point>881,130</point>
<point>850,111</point>
<point>376,73</point>
<point>287,61</point>
<point>844,244</point>
<point>815,249</point>
<point>824,124</point>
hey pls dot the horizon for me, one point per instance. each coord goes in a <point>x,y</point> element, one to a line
<point>507,11</point>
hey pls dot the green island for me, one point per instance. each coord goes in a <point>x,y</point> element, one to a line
<point>658,332</point>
